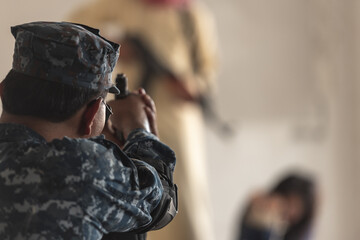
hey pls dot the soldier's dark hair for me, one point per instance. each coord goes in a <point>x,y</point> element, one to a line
<point>53,101</point>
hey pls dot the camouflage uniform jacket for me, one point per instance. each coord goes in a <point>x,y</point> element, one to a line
<point>76,188</point>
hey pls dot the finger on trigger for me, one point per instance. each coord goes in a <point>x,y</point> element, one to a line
<point>150,114</point>
<point>149,102</point>
<point>142,91</point>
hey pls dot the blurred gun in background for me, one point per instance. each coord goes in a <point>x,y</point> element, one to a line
<point>152,66</point>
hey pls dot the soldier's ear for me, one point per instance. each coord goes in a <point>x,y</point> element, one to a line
<point>88,117</point>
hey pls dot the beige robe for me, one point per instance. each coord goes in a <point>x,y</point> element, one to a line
<point>180,122</point>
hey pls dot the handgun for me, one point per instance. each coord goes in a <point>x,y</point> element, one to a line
<point>121,83</point>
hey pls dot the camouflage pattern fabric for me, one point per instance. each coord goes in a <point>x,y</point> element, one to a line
<point>65,52</point>
<point>76,188</point>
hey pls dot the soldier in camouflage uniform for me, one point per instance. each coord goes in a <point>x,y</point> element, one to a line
<point>58,178</point>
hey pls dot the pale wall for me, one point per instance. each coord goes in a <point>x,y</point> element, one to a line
<point>290,81</point>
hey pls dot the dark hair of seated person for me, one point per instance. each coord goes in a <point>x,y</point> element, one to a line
<point>53,101</point>
<point>304,188</point>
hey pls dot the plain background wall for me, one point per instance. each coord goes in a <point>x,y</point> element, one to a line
<point>291,70</point>
<point>289,85</point>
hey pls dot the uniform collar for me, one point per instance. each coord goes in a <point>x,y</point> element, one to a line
<point>10,132</point>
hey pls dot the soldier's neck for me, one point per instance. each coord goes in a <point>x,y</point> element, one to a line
<point>49,130</point>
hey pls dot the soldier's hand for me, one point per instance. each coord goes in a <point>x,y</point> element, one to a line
<point>137,110</point>
<point>150,110</point>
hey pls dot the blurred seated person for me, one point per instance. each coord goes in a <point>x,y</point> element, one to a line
<point>284,213</point>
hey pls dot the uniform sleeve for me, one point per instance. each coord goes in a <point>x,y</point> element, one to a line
<point>145,146</point>
<point>121,192</point>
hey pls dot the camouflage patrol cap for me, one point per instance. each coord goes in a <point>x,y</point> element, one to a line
<point>65,52</point>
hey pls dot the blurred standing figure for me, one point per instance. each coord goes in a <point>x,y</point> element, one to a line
<point>169,47</point>
<point>285,213</point>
